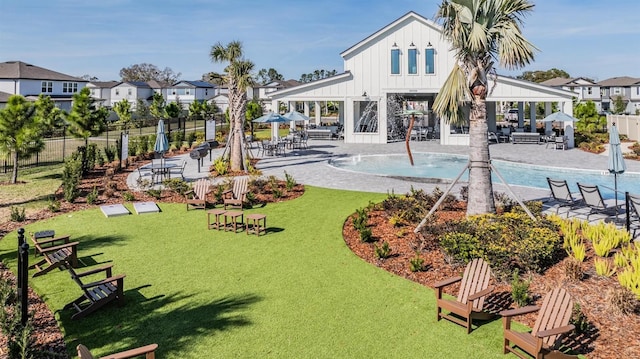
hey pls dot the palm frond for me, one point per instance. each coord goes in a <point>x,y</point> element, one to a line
<point>452,95</point>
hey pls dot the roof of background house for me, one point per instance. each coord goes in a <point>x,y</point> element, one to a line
<point>4,97</point>
<point>135,84</point>
<point>198,83</point>
<point>104,84</point>
<point>22,70</point>
<point>623,81</point>
<point>158,84</point>
<point>563,81</point>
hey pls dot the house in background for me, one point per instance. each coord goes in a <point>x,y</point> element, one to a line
<point>585,89</point>
<point>20,78</point>
<point>626,88</point>
<point>403,66</point>
<point>132,91</point>
<point>187,92</point>
<point>101,91</point>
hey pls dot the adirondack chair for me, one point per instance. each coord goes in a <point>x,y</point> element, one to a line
<point>148,351</point>
<point>96,294</point>
<point>236,196</point>
<point>197,197</point>
<point>474,287</point>
<point>552,322</point>
<point>56,252</point>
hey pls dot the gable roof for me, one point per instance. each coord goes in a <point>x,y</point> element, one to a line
<point>15,70</point>
<point>158,84</point>
<point>4,97</point>
<point>371,38</point>
<point>197,83</point>
<point>138,84</point>
<point>103,84</point>
<point>624,81</point>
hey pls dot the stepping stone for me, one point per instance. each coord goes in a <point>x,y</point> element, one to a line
<point>145,207</point>
<point>114,210</point>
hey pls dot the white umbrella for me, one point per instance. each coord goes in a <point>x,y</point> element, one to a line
<point>296,116</point>
<point>616,163</point>
<point>559,117</point>
<point>271,117</point>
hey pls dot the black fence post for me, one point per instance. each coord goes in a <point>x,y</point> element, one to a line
<point>23,273</point>
<point>21,241</point>
<point>64,141</point>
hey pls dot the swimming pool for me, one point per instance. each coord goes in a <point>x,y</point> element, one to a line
<point>448,166</point>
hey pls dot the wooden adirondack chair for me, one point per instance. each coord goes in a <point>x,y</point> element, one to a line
<point>474,287</point>
<point>56,252</point>
<point>236,196</point>
<point>96,294</point>
<point>553,321</point>
<point>197,197</point>
<point>148,351</point>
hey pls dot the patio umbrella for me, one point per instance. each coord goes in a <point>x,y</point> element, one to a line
<point>559,117</point>
<point>616,160</point>
<point>296,116</point>
<point>271,117</point>
<point>162,144</point>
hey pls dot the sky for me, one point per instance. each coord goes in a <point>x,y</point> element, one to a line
<point>586,38</point>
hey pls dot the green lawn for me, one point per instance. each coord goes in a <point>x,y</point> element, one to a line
<point>297,292</point>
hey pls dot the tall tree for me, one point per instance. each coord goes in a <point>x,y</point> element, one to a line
<point>86,119</point>
<point>141,113</point>
<point>317,75</point>
<point>147,72</point>
<point>123,110</point>
<point>481,32</point>
<point>238,78</point>
<point>542,76</point>
<point>265,76</point>
<point>20,131</point>
<point>157,108</point>
<point>254,110</point>
<point>50,116</point>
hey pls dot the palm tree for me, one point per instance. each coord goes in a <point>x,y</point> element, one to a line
<point>481,32</point>
<point>238,78</point>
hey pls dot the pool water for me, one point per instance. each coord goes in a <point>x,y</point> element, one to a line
<point>448,166</point>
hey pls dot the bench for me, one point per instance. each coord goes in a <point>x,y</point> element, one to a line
<point>320,134</point>
<point>525,137</point>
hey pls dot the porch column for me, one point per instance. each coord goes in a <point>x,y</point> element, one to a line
<point>306,112</point>
<point>567,107</point>
<point>292,107</point>
<point>548,126</point>
<point>318,112</point>
<point>520,114</point>
<point>491,116</point>
<point>532,116</point>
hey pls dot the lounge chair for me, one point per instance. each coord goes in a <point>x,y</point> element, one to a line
<point>148,351</point>
<point>551,324</point>
<point>592,198</point>
<point>474,287</point>
<point>236,196</point>
<point>197,197</point>
<point>632,204</point>
<point>561,194</point>
<point>56,252</point>
<point>96,294</point>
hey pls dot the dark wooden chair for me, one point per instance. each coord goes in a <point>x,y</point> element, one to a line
<point>148,351</point>
<point>96,294</point>
<point>474,287</point>
<point>56,252</point>
<point>197,197</point>
<point>236,196</point>
<point>551,324</point>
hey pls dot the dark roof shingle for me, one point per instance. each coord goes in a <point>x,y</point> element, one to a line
<point>21,70</point>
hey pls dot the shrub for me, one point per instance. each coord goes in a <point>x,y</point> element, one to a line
<point>221,166</point>
<point>143,145</point>
<point>604,267</point>
<point>177,185</point>
<point>290,182</point>
<point>519,290</point>
<point>219,190</point>
<point>155,193</point>
<point>53,205</point>
<point>92,197</point>
<point>178,138</point>
<point>366,235</point>
<point>110,152</point>
<point>416,264</point>
<point>71,175</point>
<point>277,193</point>
<point>17,214</point>
<point>360,220</point>
<point>621,301</point>
<point>18,337</point>
<point>128,196</point>
<point>383,251</point>
<point>573,269</point>
<point>579,319</point>
<point>460,246</point>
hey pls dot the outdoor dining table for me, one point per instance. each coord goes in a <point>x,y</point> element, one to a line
<point>161,169</point>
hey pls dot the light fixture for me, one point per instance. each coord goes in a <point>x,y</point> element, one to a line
<point>364,94</point>
<point>429,44</point>
<point>394,44</point>
<point>412,45</point>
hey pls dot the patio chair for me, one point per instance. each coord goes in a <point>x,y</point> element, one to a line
<point>148,351</point>
<point>96,294</point>
<point>474,287</point>
<point>236,196</point>
<point>551,324</point>
<point>56,252</point>
<point>632,204</point>
<point>592,198</point>
<point>197,196</point>
<point>561,194</point>
<point>178,170</point>
<point>492,137</point>
<point>561,143</point>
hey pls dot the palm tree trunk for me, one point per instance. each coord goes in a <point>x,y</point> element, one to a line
<point>480,186</point>
<point>236,144</point>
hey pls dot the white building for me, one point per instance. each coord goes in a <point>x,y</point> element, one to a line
<point>405,64</point>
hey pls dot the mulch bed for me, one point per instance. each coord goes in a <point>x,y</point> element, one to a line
<point>48,340</point>
<point>609,335</point>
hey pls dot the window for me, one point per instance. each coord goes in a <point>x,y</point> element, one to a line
<point>47,86</point>
<point>590,90</point>
<point>395,62</point>
<point>616,91</point>
<point>69,87</point>
<point>117,92</point>
<point>206,92</point>
<point>430,61</point>
<point>129,92</point>
<point>413,61</point>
